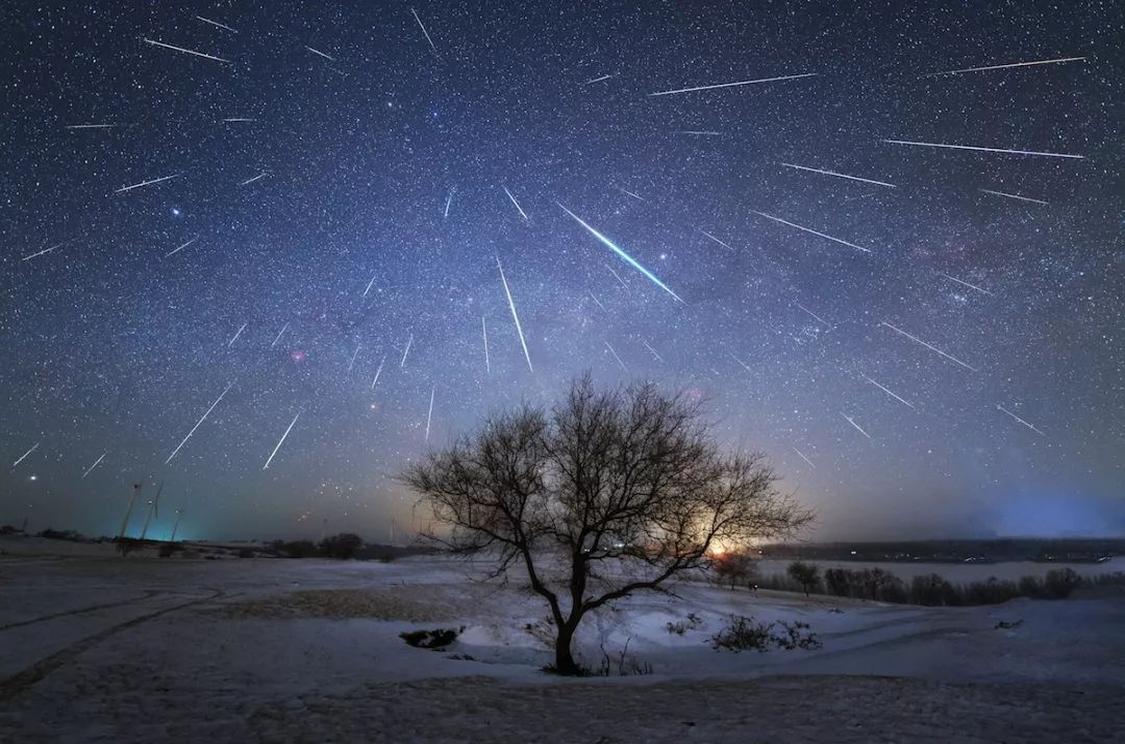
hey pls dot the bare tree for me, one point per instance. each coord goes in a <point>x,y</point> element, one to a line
<point>608,493</point>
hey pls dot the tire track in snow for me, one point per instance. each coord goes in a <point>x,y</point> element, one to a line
<point>30,676</point>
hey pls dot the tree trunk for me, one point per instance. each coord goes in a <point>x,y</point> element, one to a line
<point>564,661</point>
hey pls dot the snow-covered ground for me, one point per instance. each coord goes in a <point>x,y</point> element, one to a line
<point>94,647</point>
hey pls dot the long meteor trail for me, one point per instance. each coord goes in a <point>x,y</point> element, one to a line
<point>1017,418</point>
<point>144,183</point>
<point>216,23</point>
<point>96,463</point>
<point>515,315</point>
<point>44,251</point>
<point>320,53</point>
<point>25,454</point>
<point>917,340</point>
<point>802,456</point>
<point>858,428</point>
<point>92,126</point>
<point>185,51</point>
<point>430,413</point>
<point>615,356</point>
<point>1058,61</point>
<point>628,259</point>
<point>181,247</point>
<point>252,180</point>
<point>731,85</point>
<point>406,352</point>
<point>810,230</point>
<point>839,175</point>
<point>712,237</point>
<point>1016,197</point>
<point>425,32</point>
<point>279,334</point>
<point>198,423</point>
<point>484,334</point>
<point>888,392</point>
<point>281,441</point>
<point>984,149</point>
<point>378,372</point>
<point>961,281</point>
<point>509,193</point>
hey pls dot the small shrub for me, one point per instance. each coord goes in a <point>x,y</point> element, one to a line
<point>438,638</point>
<point>680,627</point>
<point>741,634</point>
<point>795,635</point>
<point>246,553</point>
<point>297,548</point>
<point>1060,582</point>
<point>1008,625</point>
<point>168,549</point>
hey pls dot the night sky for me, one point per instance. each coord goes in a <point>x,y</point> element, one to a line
<point>919,351</point>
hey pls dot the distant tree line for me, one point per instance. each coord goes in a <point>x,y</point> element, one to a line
<point>932,590</point>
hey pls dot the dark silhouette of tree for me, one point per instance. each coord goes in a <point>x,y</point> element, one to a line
<point>805,574</point>
<point>342,546</point>
<point>733,569</point>
<point>608,493</point>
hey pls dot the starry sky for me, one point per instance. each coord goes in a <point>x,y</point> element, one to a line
<point>256,222</point>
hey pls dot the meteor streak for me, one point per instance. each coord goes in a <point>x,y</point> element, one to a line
<point>369,284</point>
<point>144,183</point>
<point>185,51</point>
<point>92,126</point>
<point>596,300</point>
<point>1017,418</point>
<point>970,286</point>
<point>810,230</point>
<point>279,335</point>
<point>814,315</point>
<point>252,180</point>
<point>839,175</point>
<point>1059,61</point>
<point>25,454</point>
<point>322,54</point>
<point>628,259</point>
<point>352,362</point>
<point>652,350</point>
<point>409,341</point>
<point>236,335</point>
<point>515,316</point>
<point>888,392</point>
<point>96,462</point>
<point>597,79</point>
<point>614,352</point>
<point>425,32</point>
<point>197,423</point>
<point>617,277</point>
<point>985,149</point>
<point>430,414</point>
<point>851,421</point>
<point>1015,196</point>
<point>448,201</point>
<point>185,245</point>
<point>378,372</point>
<point>216,23</point>
<point>917,340</point>
<point>740,362</point>
<point>509,193</point>
<point>629,193</point>
<point>44,251</point>
<point>712,237</point>
<point>484,334</point>
<point>802,456</point>
<point>699,132</point>
<point>238,119</point>
<point>731,85</point>
<point>280,441</point>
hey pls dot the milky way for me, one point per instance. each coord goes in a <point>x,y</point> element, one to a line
<point>274,200</point>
